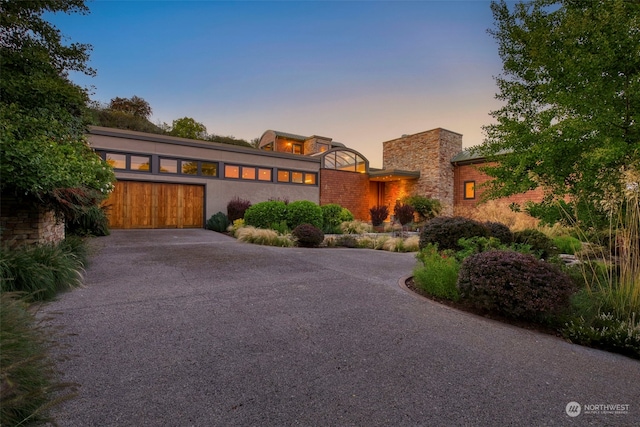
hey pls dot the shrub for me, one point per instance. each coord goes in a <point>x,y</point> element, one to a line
<point>262,215</point>
<point>308,236</point>
<point>438,274</point>
<point>476,245</point>
<point>347,241</point>
<point>514,285</point>
<point>608,332</point>
<point>425,207</point>
<point>567,244</point>
<point>378,214</point>
<point>332,216</point>
<point>539,242</point>
<point>236,208</point>
<point>500,232</point>
<point>446,231</point>
<point>355,227</point>
<point>41,271</point>
<point>91,221</point>
<point>403,213</point>
<point>303,212</point>
<point>237,224</point>
<point>28,377</point>
<point>262,236</point>
<point>218,222</point>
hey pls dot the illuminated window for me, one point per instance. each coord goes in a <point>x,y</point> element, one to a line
<point>189,168</point>
<point>231,171</point>
<point>140,163</point>
<point>268,147</point>
<point>469,189</point>
<point>283,176</point>
<point>310,178</point>
<point>168,166</point>
<point>264,174</point>
<point>297,149</point>
<point>248,173</point>
<point>322,147</point>
<point>117,161</point>
<point>297,177</point>
<point>209,169</point>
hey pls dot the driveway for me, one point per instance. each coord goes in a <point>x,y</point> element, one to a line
<point>192,328</point>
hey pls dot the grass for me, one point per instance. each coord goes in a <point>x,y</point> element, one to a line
<point>567,244</point>
<point>438,274</point>
<point>262,236</point>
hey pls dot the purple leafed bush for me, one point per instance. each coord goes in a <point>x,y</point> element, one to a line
<point>378,214</point>
<point>236,208</point>
<point>515,285</point>
<point>500,232</point>
<point>308,236</point>
<point>403,213</point>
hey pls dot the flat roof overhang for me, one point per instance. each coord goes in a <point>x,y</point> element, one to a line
<point>387,175</point>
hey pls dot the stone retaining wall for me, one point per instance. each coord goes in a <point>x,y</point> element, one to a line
<point>27,224</point>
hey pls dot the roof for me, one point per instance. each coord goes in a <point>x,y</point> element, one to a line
<point>392,174</point>
<point>290,135</point>
<point>473,155</point>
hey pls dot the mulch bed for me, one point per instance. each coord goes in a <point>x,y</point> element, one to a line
<point>463,306</point>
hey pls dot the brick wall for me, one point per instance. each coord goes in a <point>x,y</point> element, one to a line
<point>348,189</point>
<point>27,224</point>
<point>430,153</point>
<point>464,173</point>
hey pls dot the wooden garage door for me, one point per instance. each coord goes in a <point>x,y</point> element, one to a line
<point>134,204</point>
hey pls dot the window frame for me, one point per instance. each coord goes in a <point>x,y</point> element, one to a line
<point>472,190</point>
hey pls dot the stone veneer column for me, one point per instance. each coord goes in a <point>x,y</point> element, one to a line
<point>27,224</point>
<point>429,152</point>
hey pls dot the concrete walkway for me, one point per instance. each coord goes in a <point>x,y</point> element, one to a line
<point>192,328</point>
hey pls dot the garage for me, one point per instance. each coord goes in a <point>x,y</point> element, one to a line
<point>137,204</point>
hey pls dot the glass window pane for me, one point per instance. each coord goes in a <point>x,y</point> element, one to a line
<point>264,174</point>
<point>248,173</point>
<point>168,166</point>
<point>296,177</point>
<point>297,148</point>
<point>231,171</point>
<point>330,161</point>
<point>283,176</point>
<point>190,168</point>
<point>140,163</point>
<point>361,166</point>
<point>310,178</point>
<point>209,169</point>
<point>470,190</point>
<point>117,161</point>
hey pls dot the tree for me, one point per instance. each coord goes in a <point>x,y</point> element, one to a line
<point>187,127</point>
<point>43,147</point>
<point>134,106</point>
<point>571,87</point>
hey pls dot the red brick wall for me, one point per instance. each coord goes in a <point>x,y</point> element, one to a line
<point>463,173</point>
<point>348,189</point>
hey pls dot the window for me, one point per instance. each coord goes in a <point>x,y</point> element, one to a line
<point>310,178</point>
<point>140,163</point>
<point>469,189</point>
<point>168,165</point>
<point>264,174</point>
<point>209,169</point>
<point>268,147</point>
<point>297,149</point>
<point>231,171</point>
<point>297,177</point>
<point>344,160</point>
<point>322,147</point>
<point>117,161</point>
<point>283,176</point>
<point>189,168</point>
<point>248,173</point>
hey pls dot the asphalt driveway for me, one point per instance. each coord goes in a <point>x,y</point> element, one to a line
<point>192,328</point>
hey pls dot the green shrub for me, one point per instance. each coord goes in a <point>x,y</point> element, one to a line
<point>446,231</point>
<point>281,227</point>
<point>332,216</point>
<point>308,236</point>
<point>28,384</point>
<point>567,244</point>
<point>475,245</point>
<point>438,274</point>
<point>90,221</point>
<point>218,222</point>
<point>540,244</point>
<point>41,271</point>
<point>303,212</point>
<point>378,214</point>
<point>263,214</point>
<point>515,285</point>
<point>403,213</point>
<point>425,207</point>
<point>608,332</point>
<point>236,208</point>
<point>500,232</point>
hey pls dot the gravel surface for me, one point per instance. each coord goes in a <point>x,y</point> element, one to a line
<point>192,328</point>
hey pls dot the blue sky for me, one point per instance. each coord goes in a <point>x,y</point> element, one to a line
<point>360,72</point>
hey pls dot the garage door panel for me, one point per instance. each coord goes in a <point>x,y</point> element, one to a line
<point>135,204</point>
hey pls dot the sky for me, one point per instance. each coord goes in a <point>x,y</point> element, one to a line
<point>360,72</point>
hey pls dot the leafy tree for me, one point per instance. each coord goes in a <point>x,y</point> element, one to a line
<point>571,87</point>
<point>134,106</point>
<point>42,114</point>
<point>187,127</point>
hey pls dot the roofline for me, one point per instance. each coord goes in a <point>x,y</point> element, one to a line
<point>185,142</point>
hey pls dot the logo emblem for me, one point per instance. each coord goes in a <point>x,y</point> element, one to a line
<point>573,409</point>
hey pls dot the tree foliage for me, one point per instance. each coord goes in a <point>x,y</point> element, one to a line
<point>187,127</point>
<point>571,88</point>
<point>42,129</point>
<point>134,106</point>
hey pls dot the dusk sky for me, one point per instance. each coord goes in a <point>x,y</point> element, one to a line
<point>360,72</point>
